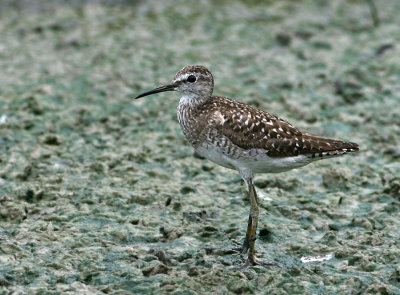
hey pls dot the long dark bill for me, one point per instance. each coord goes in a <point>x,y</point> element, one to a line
<point>163,88</point>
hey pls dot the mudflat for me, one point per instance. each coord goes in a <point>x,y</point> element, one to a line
<point>101,194</point>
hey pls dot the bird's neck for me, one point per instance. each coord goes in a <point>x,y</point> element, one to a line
<point>190,116</point>
<point>191,100</point>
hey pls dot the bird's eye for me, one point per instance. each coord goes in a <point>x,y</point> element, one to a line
<point>191,78</point>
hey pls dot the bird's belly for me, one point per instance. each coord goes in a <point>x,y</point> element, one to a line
<point>215,155</point>
<point>266,164</point>
<point>255,160</point>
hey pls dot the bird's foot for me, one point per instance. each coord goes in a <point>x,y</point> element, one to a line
<point>249,264</point>
<point>244,266</point>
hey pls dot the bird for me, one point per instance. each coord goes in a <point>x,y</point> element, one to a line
<point>238,136</point>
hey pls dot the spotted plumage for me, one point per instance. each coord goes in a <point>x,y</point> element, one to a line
<point>249,128</point>
<point>238,136</point>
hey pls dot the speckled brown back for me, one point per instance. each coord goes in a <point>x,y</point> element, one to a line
<point>250,128</point>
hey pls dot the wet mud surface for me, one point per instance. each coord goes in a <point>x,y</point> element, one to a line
<point>100,193</point>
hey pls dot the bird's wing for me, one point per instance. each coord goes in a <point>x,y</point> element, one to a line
<point>250,128</point>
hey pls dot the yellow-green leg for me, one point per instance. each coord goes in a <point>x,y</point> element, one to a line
<point>251,233</point>
<point>254,222</point>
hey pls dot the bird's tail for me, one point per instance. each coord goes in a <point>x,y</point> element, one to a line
<point>319,147</point>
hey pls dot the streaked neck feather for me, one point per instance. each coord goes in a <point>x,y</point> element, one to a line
<point>191,100</point>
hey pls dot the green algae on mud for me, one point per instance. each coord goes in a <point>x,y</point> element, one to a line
<point>101,194</point>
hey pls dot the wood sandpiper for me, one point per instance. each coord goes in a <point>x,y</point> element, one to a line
<point>241,137</point>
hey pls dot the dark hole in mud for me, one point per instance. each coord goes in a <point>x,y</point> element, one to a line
<point>266,235</point>
<point>186,189</point>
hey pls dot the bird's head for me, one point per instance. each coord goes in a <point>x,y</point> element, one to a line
<point>191,81</point>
